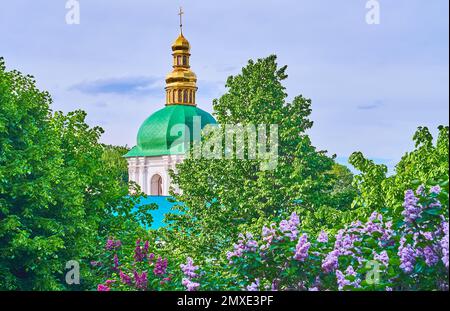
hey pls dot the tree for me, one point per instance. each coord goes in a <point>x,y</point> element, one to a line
<point>58,197</point>
<point>224,196</point>
<point>426,164</point>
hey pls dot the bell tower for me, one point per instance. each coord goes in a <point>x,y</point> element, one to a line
<point>181,83</point>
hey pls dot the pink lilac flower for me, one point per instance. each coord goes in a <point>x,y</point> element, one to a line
<point>125,279</point>
<point>189,268</point>
<point>111,244</point>
<point>254,286</point>
<point>301,250</point>
<point>190,285</point>
<point>109,282</point>
<point>160,266</point>
<point>140,280</point>
<point>411,209</point>
<point>103,288</point>
<point>323,237</point>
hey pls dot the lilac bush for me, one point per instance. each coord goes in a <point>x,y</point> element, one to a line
<point>389,251</point>
<point>393,249</point>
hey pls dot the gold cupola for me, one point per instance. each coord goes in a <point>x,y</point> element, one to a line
<point>181,83</point>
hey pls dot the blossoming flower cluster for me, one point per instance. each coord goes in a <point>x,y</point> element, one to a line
<point>420,238</point>
<point>189,271</point>
<point>396,250</point>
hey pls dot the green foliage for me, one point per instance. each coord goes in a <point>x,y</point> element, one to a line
<point>59,193</point>
<point>426,164</point>
<point>224,196</point>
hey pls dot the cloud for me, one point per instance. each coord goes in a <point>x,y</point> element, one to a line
<point>121,86</point>
<point>376,104</point>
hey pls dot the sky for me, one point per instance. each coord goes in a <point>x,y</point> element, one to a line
<point>371,85</point>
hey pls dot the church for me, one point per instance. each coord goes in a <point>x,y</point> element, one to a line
<point>157,149</point>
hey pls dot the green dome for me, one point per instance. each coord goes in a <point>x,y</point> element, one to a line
<point>155,138</point>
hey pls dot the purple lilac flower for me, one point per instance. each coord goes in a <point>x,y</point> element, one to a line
<point>96,263</point>
<point>444,244</point>
<point>330,263</point>
<point>412,210</point>
<point>431,258</point>
<point>190,285</point>
<point>138,253</point>
<point>116,262</point>
<point>342,281</point>
<point>435,189</point>
<point>301,250</point>
<point>383,257</point>
<point>420,190</point>
<point>289,227</point>
<point>160,266</point>
<point>407,257</point>
<point>254,286</point>
<point>125,279</point>
<point>245,243</point>
<point>323,237</point>
<point>151,256</point>
<point>146,246</point>
<point>274,286</point>
<point>189,268</point>
<point>140,280</point>
<point>268,234</point>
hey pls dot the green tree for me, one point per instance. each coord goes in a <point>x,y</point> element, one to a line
<point>58,196</point>
<point>427,164</point>
<point>224,196</point>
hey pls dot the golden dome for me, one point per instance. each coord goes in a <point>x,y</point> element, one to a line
<point>181,44</point>
<point>181,83</point>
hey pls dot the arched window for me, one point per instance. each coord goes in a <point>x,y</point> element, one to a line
<point>190,97</point>
<point>180,96</point>
<point>179,60</point>
<point>173,95</point>
<point>184,60</point>
<point>185,96</point>
<point>156,185</point>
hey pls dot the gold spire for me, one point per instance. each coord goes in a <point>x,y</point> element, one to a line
<point>181,83</point>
